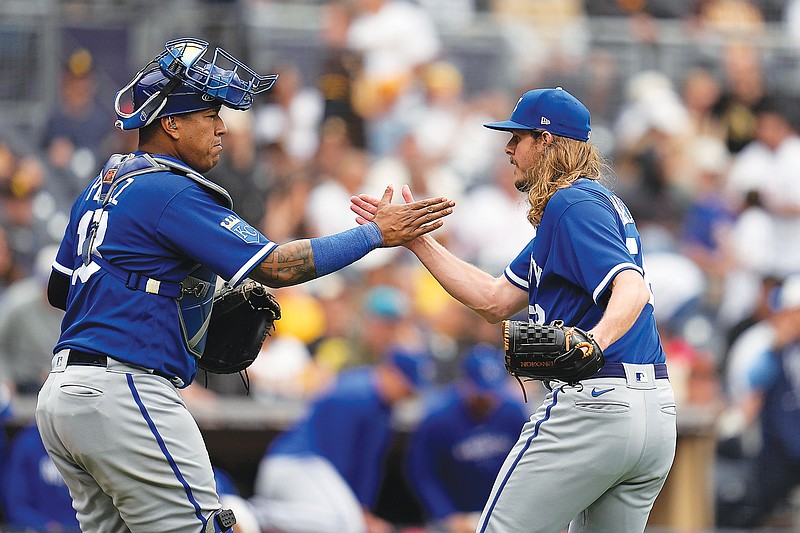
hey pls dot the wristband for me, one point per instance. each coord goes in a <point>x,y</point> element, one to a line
<point>334,252</point>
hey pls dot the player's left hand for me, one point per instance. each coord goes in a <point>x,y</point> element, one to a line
<point>365,206</point>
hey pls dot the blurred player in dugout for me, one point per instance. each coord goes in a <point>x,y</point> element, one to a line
<point>462,440</point>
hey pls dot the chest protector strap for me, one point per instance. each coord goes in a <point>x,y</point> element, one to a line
<point>139,282</point>
<point>118,169</point>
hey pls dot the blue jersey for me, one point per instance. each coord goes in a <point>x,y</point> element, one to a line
<point>586,237</point>
<point>163,225</point>
<point>224,482</point>
<point>449,447</point>
<point>777,376</point>
<point>350,426</point>
<point>34,493</point>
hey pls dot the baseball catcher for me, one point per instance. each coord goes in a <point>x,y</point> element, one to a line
<point>241,318</point>
<point>136,274</point>
<point>550,352</point>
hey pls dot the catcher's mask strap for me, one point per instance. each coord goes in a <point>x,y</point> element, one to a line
<point>146,113</point>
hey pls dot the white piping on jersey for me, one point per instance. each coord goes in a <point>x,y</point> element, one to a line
<point>518,280</point>
<point>613,272</point>
<point>247,267</point>
<point>58,267</point>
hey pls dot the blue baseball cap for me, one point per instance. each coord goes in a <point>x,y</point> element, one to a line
<point>483,365</point>
<point>417,366</point>
<point>553,110</point>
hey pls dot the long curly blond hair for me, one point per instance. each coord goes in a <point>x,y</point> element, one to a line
<point>563,161</point>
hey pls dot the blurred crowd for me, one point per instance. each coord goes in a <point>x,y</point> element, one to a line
<point>708,162</point>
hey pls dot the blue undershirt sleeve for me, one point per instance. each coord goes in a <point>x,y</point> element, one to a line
<point>334,252</point>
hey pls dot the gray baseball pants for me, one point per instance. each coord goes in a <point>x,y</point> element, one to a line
<point>593,457</point>
<point>130,452</point>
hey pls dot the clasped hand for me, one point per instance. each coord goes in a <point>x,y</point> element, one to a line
<point>401,223</point>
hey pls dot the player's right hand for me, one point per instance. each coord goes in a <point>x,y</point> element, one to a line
<point>401,223</point>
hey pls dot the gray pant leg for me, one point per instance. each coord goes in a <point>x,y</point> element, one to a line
<point>536,490</point>
<point>627,506</point>
<point>131,433</point>
<point>581,451</point>
<point>94,508</point>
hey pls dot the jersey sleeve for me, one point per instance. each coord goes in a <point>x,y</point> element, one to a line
<point>213,235</point>
<point>517,271</point>
<point>64,255</point>
<point>64,261</point>
<point>589,248</point>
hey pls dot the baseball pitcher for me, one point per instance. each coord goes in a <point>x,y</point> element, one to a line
<point>597,451</point>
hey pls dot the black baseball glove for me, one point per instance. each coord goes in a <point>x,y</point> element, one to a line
<point>550,352</point>
<point>241,318</point>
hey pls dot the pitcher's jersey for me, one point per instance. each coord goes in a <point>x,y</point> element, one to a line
<point>160,225</point>
<point>586,237</point>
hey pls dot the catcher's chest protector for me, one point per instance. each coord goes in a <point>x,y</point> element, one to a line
<point>194,305</point>
<point>196,292</point>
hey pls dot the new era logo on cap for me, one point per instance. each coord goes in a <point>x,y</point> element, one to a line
<point>553,110</point>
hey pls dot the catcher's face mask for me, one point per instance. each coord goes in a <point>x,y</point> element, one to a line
<point>179,80</point>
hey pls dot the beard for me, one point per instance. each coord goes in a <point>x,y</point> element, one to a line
<point>523,181</point>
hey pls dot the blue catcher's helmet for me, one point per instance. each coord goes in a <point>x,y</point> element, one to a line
<point>179,80</point>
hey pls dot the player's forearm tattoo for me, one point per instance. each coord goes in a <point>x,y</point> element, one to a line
<point>288,264</point>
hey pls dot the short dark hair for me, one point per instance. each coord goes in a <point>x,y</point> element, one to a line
<point>147,133</point>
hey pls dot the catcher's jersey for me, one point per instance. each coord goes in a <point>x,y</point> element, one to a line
<point>160,225</point>
<point>586,237</point>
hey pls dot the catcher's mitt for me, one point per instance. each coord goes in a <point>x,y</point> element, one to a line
<point>550,352</point>
<point>241,318</point>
